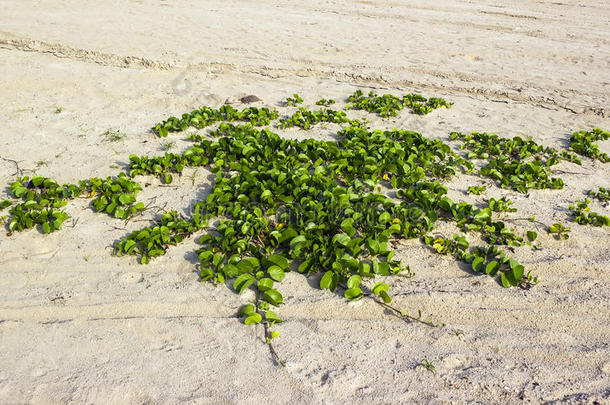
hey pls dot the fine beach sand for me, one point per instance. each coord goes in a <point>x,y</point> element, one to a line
<point>78,325</point>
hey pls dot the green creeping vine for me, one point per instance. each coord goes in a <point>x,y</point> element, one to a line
<point>519,164</point>
<point>206,116</point>
<point>583,214</point>
<point>288,201</point>
<point>312,206</point>
<point>304,118</point>
<point>43,197</point>
<point>582,143</point>
<point>389,105</point>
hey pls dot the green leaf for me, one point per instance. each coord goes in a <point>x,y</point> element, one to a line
<point>276,273</point>
<point>477,264</point>
<point>253,319</point>
<point>531,235</point>
<point>385,297</point>
<point>271,316</point>
<point>243,282</point>
<point>230,270</point>
<point>127,199</point>
<point>379,287</point>
<point>273,297</point>
<point>265,284</point>
<point>205,273</point>
<point>297,240</point>
<point>505,282</point>
<point>492,267</point>
<point>248,265</point>
<point>329,281</point>
<point>354,281</point>
<point>46,227</point>
<point>353,293</point>
<point>247,310</point>
<point>279,260</point>
<point>373,246</point>
<point>342,239</point>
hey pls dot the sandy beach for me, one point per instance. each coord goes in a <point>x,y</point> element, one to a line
<point>78,325</point>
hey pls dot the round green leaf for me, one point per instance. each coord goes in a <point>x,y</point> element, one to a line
<point>276,273</point>
<point>353,293</point>
<point>273,297</point>
<point>253,319</point>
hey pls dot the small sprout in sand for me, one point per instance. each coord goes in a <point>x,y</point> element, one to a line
<point>427,365</point>
<point>58,110</point>
<point>41,163</point>
<point>167,146</point>
<point>113,136</point>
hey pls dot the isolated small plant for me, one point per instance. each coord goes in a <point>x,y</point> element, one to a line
<point>58,110</point>
<point>167,146</point>
<point>294,100</point>
<point>427,365</point>
<point>583,215</point>
<point>559,231</point>
<point>111,135</point>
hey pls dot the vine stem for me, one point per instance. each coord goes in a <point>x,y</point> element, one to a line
<point>268,336</point>
<point>400,313</point>
<point>524,219</point>
<point>19,171</point>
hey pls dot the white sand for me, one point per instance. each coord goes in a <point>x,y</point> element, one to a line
<point>80,326</point>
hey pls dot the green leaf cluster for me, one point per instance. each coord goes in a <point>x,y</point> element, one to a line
<point>476,190</point>
<point>305,118</point>
<point>518,164</point>
<point>388,105</point>
<point>602,194</point>
<point>206,116</point>
<point>559,231</point>
<point>324,102</point>
<point>43,197</point>
<point>582,142</point>
<point>294,100</point>
<point>583,215</point>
